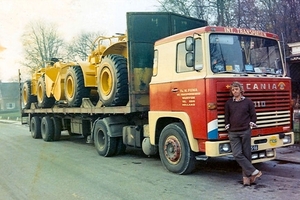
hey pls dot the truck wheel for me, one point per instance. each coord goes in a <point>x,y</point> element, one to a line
<point>47,129</point>
<point>121,148</point>
<point>42,99</point>
<point>112,81</point>
<point>27,97</point>
<point>74,87</point>
<point>174,150</point>
<point>105,145</point>
<point>56,128</point>
<point>35,127</point>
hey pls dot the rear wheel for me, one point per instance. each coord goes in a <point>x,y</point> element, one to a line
<point>56,128</point>
<point>74,87</point>
<point>42,99</point>
<point>113,81</point>
<point>105,145</point>
<point>47,129</point>
<point>27,97</point>
<point>121,148</point>
<point>174,149</point>
<point>35,127</point>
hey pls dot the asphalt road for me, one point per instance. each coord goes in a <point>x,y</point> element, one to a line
<point>71,169</point>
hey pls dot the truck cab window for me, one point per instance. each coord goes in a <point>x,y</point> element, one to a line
<point>180,59</point>
<point>198,54</point>
<point>244,54</point>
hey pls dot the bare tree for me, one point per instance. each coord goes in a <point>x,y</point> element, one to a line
<point>278,16</point>
<point>82,45</point>
<point>216,12</point>
<point>41,42</point>
<point>183,7</point>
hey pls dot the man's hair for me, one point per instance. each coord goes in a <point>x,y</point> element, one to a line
<point>237,84</point>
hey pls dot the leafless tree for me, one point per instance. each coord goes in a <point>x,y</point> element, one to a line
<point>216,12</point>
<point>41,42</point>
<point>183,7</point>
<point>278,16</point>
<point>82,45</point>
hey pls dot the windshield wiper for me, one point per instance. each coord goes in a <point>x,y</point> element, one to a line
<point>228,72</point>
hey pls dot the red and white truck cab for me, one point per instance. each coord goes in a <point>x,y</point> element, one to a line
<point>191,78</point>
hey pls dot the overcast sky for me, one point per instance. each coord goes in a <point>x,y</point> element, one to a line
<point>71,17</point>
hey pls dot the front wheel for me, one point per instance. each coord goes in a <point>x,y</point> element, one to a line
<point>74,87</point>
<point>27,97</point>
<point>42,99</point>
<point>174,150</point>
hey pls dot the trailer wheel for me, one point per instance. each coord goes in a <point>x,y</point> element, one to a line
<point>112,81</point>
<point>105,145</point>
<point>47,129</point>
<point>121,148</point>
<point>74,87</point>
<point>174,150</point>
<point>27,97</point>
<point>42,99</point>
<point>56,128</point>
<point>35,127</point>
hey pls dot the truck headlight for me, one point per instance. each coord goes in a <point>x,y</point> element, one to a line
<point>225,148</point>
<point>287,139</point>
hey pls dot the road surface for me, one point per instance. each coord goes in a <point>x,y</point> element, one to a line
<point>71,169</point>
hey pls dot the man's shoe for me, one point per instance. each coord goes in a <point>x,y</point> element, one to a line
<point>246,181</point>
<point>254,177</point>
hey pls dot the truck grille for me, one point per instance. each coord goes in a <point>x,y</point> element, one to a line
<point>272,108</point>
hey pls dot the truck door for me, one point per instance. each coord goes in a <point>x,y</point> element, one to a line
<point>188,88</point>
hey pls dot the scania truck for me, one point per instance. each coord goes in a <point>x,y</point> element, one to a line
<point>162,87</point>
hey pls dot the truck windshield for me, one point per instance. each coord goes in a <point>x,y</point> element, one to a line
<point>244,54</point>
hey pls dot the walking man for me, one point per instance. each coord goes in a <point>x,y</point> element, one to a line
<point>240,118</point>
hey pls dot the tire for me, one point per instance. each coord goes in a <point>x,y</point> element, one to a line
<point>121,148</point>
<point>174,150</point>
<point>27,97</point>
<point>74,88</point>
<point>47,129</point>
<point>35,127</point>
<point>56,128</point>
<point>112,81</point>
<point>105,145</point>
<point>42,99</point>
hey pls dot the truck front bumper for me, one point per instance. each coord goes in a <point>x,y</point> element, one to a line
<point>263,147</point>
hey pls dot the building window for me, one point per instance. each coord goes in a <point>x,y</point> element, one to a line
<point>10,106</point>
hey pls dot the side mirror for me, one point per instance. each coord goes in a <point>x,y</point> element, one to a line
<point>189,43</point>
<point>189,59</point>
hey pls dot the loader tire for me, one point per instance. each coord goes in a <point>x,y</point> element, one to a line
<point>27,97</point>
<point>42,99</point>
<point>74,87</point>
<point>112,81</point>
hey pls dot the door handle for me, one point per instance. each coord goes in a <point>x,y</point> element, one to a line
<point>174,90</point>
